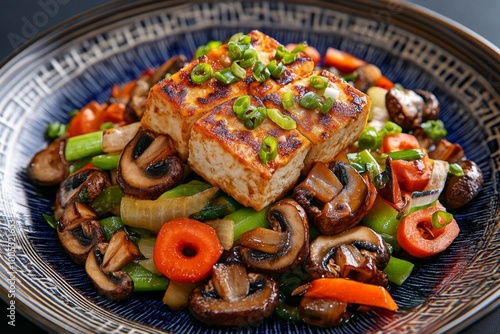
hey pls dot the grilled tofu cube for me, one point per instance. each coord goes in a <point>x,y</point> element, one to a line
<point>226,154</point>
<point>175,103</point>
<point>333,131</point>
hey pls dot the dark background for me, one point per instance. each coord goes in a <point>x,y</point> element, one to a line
<point>481,16</point>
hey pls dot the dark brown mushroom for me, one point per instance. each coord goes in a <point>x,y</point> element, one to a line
<point>116,285</point>
<point>410,109</point>
<point>358,253</point>
<point>139,95</point>
<point>366,76</point>
<point>149,166</point>
<point>283,246</point>
<point>82,187</point>
<point>324,312</point>
<point>79,231</point>
<point>460,190</point>
<point>234,297</point>
<point>343,205</point>
<point>49,167</point>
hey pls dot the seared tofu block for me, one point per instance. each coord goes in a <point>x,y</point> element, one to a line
<point>226,154</point>
<point>175,103</point>
<point>329,132</point>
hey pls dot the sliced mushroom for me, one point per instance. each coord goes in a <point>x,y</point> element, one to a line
<point>120,251</point>
<point>139,95</point>
<point>79,231</point>
<point>115,285</point>
<point>460,190</point>
<point>281,248</point>
<point>82,187</point>
<point>234,298</point>
<point>358,253</point>
<point>348,200</point>
<point>49,167</point>
<point>366,76</point>
<point>446,151</point>
<point>148,166</point>
<point>324,312</point>
<point>410,109</point>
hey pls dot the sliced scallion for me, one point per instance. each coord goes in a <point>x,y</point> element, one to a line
<point>440,219</point>
<point>249,58</point>
<point>327,105</point>
<point>241,105</point>
<point>268,149</point>
<point>310,101</point>
<point>254,118</point>
<point>288,100</point>
<point>318,82</point>
<point>226,76</point>
<point>408,155</point>
<point>201,73</point>
<point>276,69</point>
<point>260,72</point>
<point>238,71</point>
<point>283,121</point>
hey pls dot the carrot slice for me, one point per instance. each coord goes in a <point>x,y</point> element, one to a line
<point>353,292</point>
<point>186,249</point>
<point>342,61</point>
<point>384,82</point>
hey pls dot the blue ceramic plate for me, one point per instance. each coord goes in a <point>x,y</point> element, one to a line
<point>82,59</point>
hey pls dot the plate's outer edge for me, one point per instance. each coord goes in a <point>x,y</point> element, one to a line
<point>44,72</point>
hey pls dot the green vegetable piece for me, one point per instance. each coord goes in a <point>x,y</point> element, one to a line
<point>144,280</point>
<point>110,225</point>
<point>440,219</point>
<point>83,146</point>
<point>209,212</point>
<point>110,197</point>
<point>318,82</point>
<point>288,100</point>
<point>310,101</point>
<point>283,121</point>
<point>383,219</point>
<point>276,69</point>
<point>369,139</point>
<point>246,219</point>
<point>260,72</point>
<point>456,169</point>
<point>434,129</point>
<point>186,189</point>
<point>56,130</point>
<point>398,270</point>
<point>106,161</point>
<point>201,73</point>
<point>408,155</point>
<point>268,150</point>
<point>226,76</point>
<point>327,106</point>
<point>241,105</point>
<point>238,71</point>
<point>50,219</point>
<point>229,203</point>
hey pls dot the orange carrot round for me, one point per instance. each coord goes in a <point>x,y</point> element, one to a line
<point>342,61</point>
<point>186,249</point>
<point>417,236</point>
<point>352,292</point>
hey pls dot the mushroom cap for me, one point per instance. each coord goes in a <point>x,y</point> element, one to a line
<point>323,312</point>
<point>218,304</point>
<point>281,248</point>
<point>326,251</point>
<point>149,166</point>
<point>49,167</point>
<point>347,206</point>
<point>460,190</point>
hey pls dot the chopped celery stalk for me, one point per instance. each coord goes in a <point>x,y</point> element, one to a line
<point>106,161</point>
<point>247,219</point>
<point>143,279</point>
<point>110,225</point>
<point>383,219</point>
<point>50,219</point>
<point>186,189</point>
<point>398,270</point>
<point>109,198</point>
<point>83,146</point>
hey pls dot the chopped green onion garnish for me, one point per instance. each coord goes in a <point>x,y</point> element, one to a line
<point>238,71</point>
<point>300,47</point>
<point>268,150</point>
<point>310,101</point>
<point>260,72</point>
<point>288,58</point>
<point>236,37</point>
<point>83,146</point>
<point>276,69</point>
<point>254,118</point>
<point>241,105</point>
<point>456,169</point>
<point>434,129</point>
<point>283,121</point>
<point>350,76</point>
<point>280,52</point>
<point>201,73</point>
<point>325,108</point>
<point>226,76</point>
<point>236,50</point>
<point>202,50</point>
<point>288,100</point>
<point>440,219</point>
<point>318,82</point>
<point>249,58</point>
<point>408,155</point>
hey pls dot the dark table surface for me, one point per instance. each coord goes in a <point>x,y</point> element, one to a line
<point>480,16</point>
